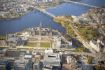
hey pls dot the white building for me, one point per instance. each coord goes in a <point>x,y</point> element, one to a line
<point>94,45</point>
<point>57,42</point>
<point>51,59</point>
<point>97,45</point>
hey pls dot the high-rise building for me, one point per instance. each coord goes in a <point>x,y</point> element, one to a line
<point>5,65</point>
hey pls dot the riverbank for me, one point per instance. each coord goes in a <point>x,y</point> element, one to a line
<point>87,25</point>
<point>9,15</point>
<point>87,32</point>
<point>14,15</point>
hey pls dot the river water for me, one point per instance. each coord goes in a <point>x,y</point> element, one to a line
<point>34,18</point>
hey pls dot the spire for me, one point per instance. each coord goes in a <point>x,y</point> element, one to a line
<point>40,25</point>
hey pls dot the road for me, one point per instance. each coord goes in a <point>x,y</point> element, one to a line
<point>81,53</point>
<point>80,37</point>
<point>102,31</point>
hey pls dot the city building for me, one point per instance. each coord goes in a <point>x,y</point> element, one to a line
<point>22,64</point>
<point>51,59</point>
<point>5,65</point>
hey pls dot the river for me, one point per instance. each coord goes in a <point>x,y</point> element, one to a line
<point>34,18</point>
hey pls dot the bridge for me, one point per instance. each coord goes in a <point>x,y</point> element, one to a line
<point>68,1</point>
<point>79,3</point>
<point>45,12</point>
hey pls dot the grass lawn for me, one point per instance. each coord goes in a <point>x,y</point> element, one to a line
<point>42,44</point>
<point>45,44</point>
<point>31,44</point>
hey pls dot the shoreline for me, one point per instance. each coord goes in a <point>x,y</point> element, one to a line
<point>15,16</point>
